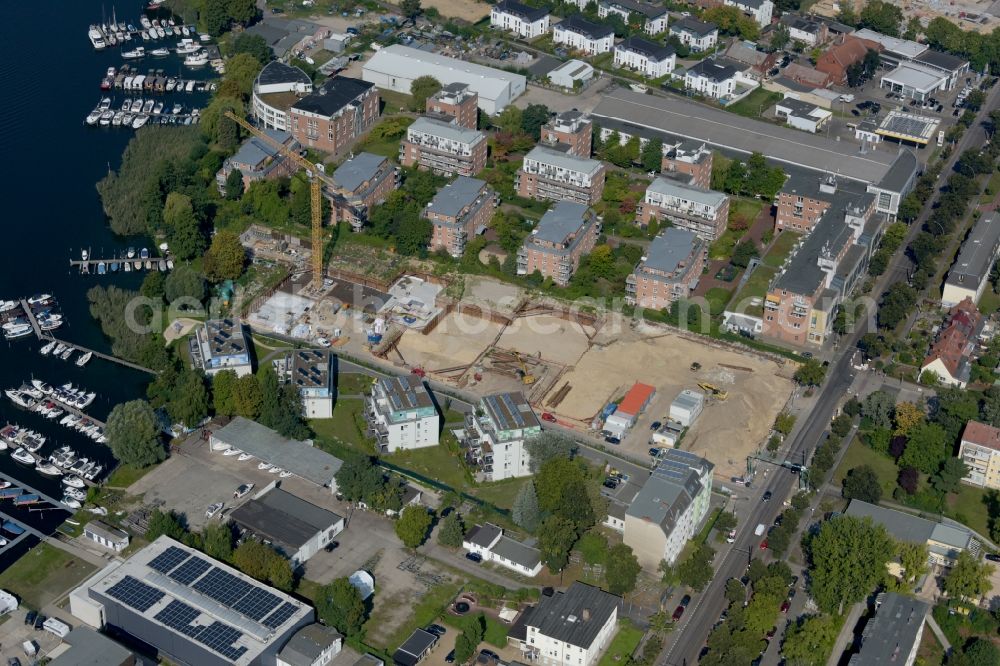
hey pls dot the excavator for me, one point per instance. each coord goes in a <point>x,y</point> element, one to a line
<point>719,393</point>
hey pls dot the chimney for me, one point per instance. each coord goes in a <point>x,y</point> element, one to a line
<point>586,614</point>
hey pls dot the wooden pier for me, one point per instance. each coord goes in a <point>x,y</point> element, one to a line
<point>45,337</point>
<point>33,491</point>
<point>88,266</point>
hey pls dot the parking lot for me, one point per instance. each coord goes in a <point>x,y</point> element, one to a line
<point>14,633</point>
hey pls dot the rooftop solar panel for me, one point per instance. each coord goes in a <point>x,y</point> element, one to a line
<point>178,616</point>
<point>258,603</point>
<point>168,559</point>
<point>135,594</point>
<point>222,586</point>
<point>186,573</point>
<point>220,637</point>
<point>278,617</point>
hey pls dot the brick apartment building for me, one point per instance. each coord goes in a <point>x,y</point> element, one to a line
<point>691,158</point>
<point>671,268</point>
<point>847,50</point>
<point>459,211</point>
<point>443,148</point>
<point>335,114</point>
<point>697,209</point>
<point>564,234</point>
<point>571,132</point>
<point>804,199</point>
<point>456,103</point>
<point>548,174</point>
<point>362,182</point>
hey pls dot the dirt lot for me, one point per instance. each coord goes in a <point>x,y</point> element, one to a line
<point>470,10</point>
<point>457,340</point>
<point>552,338</point>
<point>724,433</point>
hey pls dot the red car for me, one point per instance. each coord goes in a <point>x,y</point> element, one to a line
<point>785,605</point>
<point>548,417</point>
<point>763,544</point>
<point>678,612</point>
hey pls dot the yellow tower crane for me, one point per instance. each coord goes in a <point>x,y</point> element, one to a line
<point>315,189</point>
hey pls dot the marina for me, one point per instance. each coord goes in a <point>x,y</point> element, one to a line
<point>127,262</point>
<point>129,79</point>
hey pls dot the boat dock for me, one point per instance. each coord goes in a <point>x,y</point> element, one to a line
<point>88,266</point>
<point>42,335</point>
<point>28,489</point>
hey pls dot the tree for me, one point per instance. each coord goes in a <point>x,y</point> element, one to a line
<point>255,45</point>
<point>215,17</point>
<point>808,641</point>
<point>912,560</point>
<point>548,445</point>
<point>907,416</point>
<point>340,606</point>
<point>452,531</point>
<point>979,652</point>
<point>133,434</point>
<point>969,579</point>
<point>247,397</point>
<point>862,483</point>
<point>164,523</point>
<point>241,11</point>
<point>848,558</point>
<point>412,526</point>
<point>780,37</point>
<point>556,537</point>
<point>736,592</point>
<point>896,305</point>
<point>743,253</point>
<point>621,569</point>
<point>561,487</point>
<point>696,570</point>
<point>810,373</point>
<point>532,119</point>
<point>184,283</point>
<point>226,257</point>
<point>152,285</point>
<point>189,399</point>
<point>908,479</point>
<point>234,185</point>
<point>217,540</point>
<point>422,88</point>
<point>878,406</point>
<point>652,155</point>
<point>881,16</point>
<point>470,638</point>
<point>947,478</point>
<point>262,562</point>
<point>359,479</point>
<point>525,508</point>
<point>183,229</point>
<point>926,448</point>
<point>410,8</point>
<point>841,425</point>
<point>784,422</point>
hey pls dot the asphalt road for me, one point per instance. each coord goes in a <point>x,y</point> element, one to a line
<point>685,642</point>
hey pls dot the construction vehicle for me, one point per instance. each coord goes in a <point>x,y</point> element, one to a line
<point>526,377</point>
<point>316,181</point>
<point>721,394</point>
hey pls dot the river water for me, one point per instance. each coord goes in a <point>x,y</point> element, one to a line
<point>51,163</point>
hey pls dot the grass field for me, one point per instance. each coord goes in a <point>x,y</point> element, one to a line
<point>780,250</point>
<point>622,645</point>
<point>43,574</point>
<point>989,302</point>
<point>125,475</point>
<point>858,454</point>
<point>717,298</point>
<point>968,506</point>
<point>439,462</point>
<point>753,104</point>
<point>740,209</point>
<point>425,612</point>
<point>342,429</point>
<point>353,383</point>
<point>500,494</point>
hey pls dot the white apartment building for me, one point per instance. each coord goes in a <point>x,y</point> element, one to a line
<point>980,451</point>
<point>401,414</point>
<point>654,17</point>
<point>646,57</point>
<point>704,212</point>
<point>759,10</point>
<point>696,35</point>
<point>275,89</point>
<point>578,33</point>
<point>522,20</point>
<point>669,509</point>
<point>571,628</point>
<point>711,79</point>
<point>443,148</point>
<point>496,433</point>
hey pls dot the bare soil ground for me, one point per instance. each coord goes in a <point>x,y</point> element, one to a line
<point>470,10</point>
<point>552,338</point>
<point>457,340</point>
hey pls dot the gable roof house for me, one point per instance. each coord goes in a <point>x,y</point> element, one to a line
<point>847,51</point>
<point>950,356</point>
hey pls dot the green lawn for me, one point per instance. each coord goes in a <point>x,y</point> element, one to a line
<point>343,430</point>
<point>496,633</point>
<point>441,463</point>
<point>740,209</point>
<point>622,645</point>
<point>125,475</point>
<point>353,383</point>
<point>394,101</point>
<point>755,287</point>
<point>969,508</point>
<point>717,298</point>
<point>992,188</point>
<point>500,493</point>
<point>990,301</point>
<point>858,454</point>
<point>43,574</point>
<point>753,104</point>
<point>781,248</point>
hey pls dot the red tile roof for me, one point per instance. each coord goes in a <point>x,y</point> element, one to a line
<point>982,434</point>
<point>954,342</point>
<point>636,398</point>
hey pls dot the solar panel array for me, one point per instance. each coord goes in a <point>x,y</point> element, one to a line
<point>257,603</point>
<point>135,594</point>
<point>217,636</point>
<point>168,559</point>
<point>278,617</point>
<point>186,573</point>
<point>222,586</point>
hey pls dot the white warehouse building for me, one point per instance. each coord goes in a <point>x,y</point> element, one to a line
<point>395,68</point>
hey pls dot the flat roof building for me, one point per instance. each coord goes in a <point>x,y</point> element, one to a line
<point>362,182</point>
<point>547,174</point>
<point>221,344</point>
<point>395,67</point>
<point>565,233</point>
<point>312,645</point>
<point>416,647</point>
<point>334,115</point>
<point>443,148</point>
<point>802,115</point>
<point>699,210</point>
<point>669,271</point>
<point>913,80</point>
<point>311,372</point>
<point>496,434</point>
<point>401,414</point>
<point>970,273</point>
<point>275,89</point>
<point>980,451</point>
<point>190,607</point>
<point>570,132</point>
<point>86,647</point>
<point>892,635</point>
<point>460,211</point>
<point>294,527</point>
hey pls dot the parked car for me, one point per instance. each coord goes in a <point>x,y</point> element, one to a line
<point>785,605</point>
<point>450,658</point>
<point>685,600</point>
<point>731,537</point>
<point>992,557</point>
<point>678,612</point>
<point>767,496</point>
<point>772,632</point>
<point>39,621</point>
<point>777,521</point>
<point>655,425</point>
<point>474,557</point>
<point>763,544</point>
<point>610,483</point>
<point>655,452</point>
<point>30,617</point>
<point>436,629</point>
<point>489,655</point>
<point>611,439</point>
<point>548,417</point>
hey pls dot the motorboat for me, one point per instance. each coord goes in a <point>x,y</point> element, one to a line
<point>186,46</point>
<point>47,348</point>
<point>66,354</point>
<point>20,399</point>
<point>32,441</point>
<point>160,52</point>
<point>264,465</point>
<point>144,253</point>
<point>127,120</point>
<point>177,109</point>
<point>48,469</point>
<point>7,306</point>
<point>127,266</point>
<point>85,359</point>
<point>133,54</point>
<point>96,38</point>
<point>144,21</point>
<point>46,389</point>
<point>137,265</point>
<point>41,298</point>
<point>195,60</point>
<point>213,509</point>
<point>139,121</point>
<point>275,470</point>
<point>185,30</point>
<point>190,86</point>
<point>231,451</point>
<point>74,481</point>
<point>116,120</point>
<point>17,331</point>
<point>70,503</point>
<point>147,106</point>
<point>162,265</point>
<point>106,118</point>
<point>170,264</point>
<point>244,457</point>
<point>75,494</point>
<point>60,348</point>
<point>114,266</point>
<point>93,117</point>
<point>130,253</point>
<point>158,109</point>
<point>285,474</point>
<point>171,84</point>
<point>8,433</point>
<point>102,268</point>
<point>160,32</point>
<point>148,265</point>
<point>136,105</point>
<point>22,456</point>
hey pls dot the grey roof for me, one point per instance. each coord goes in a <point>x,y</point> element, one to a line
<point>746,53</point>
<point>405,392</point>
<point>285,519</point>
<point>693,26</point>
<point>510,411</point>
<point>754,4</point>
<point>589,29</point>
<point>369,660</point>
<point>410,652</point>
<point>716,127</point>
<point>278,72</point>
<point>942,61</point>
<point>890,635</point>
<point>446,130</point>
<point>899,177</point>
<point>333,95</point>
<point>647,48</point>
<point>517,552</point>
<point>670,489</point>
<point>311,368</point>
<point>451,199</point>
<point>677,188</point>
<point>646,9</point>
<point>106,531</point>
<point>803,274</point>
<point>561,221</point>
<point>977,254</point>
<point>254,151</point>
<point>803,23</point>
<point>712,69</point>
<point>560,159</point>
<point>483,535</point>
<point>353,173</point>
<point>308,643</point>
<point>912,529</point>
<point>670,248</point>
<point>561,616</point>
<point>797,106</point>
<point>89,648</point>
<point>299,458</point>
<point>688,400</point>
<point>529,14</point>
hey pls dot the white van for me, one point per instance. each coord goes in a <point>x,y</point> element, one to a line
<point>761,528</point>
<point>57,627</point>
